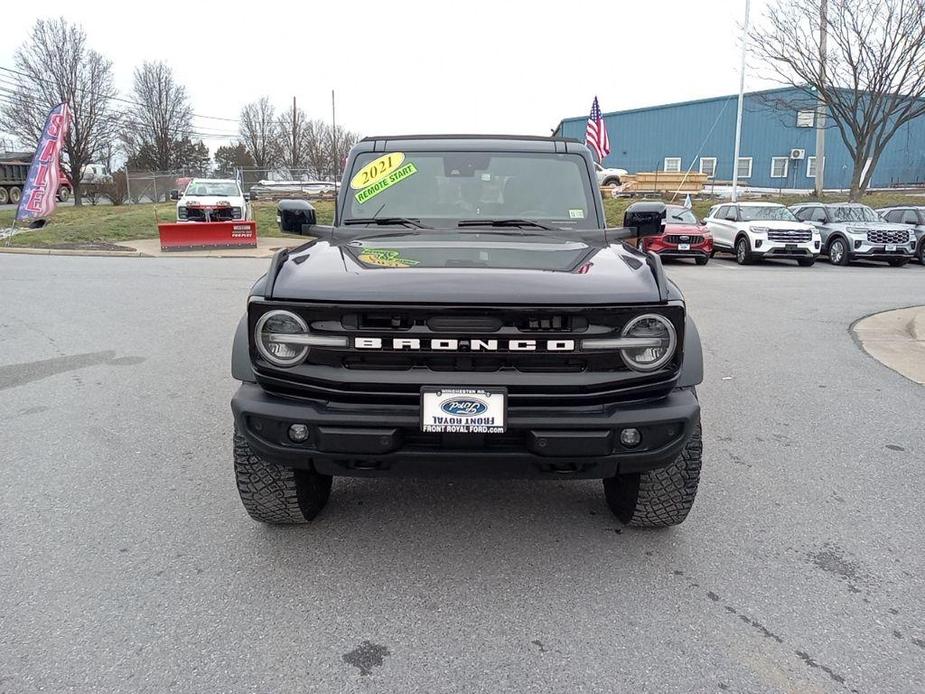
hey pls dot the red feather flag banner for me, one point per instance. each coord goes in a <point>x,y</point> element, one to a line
<point>39,195</point>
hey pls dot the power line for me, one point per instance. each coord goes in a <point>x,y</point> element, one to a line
<point>8,95</point>
<point>113,98</point>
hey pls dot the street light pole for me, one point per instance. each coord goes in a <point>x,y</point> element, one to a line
<point>820,104</point>
<point>735,161</point>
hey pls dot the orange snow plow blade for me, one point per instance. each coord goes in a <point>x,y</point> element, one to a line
<point>191,236</point>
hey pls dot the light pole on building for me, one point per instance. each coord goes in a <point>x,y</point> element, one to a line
<point>735,160</point>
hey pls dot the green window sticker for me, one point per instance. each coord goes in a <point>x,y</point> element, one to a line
<point>387,182</point>
<point>386,257</point>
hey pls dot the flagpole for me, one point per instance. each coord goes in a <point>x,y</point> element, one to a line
<point>735,160</point>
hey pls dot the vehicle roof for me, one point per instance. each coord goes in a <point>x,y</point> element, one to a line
<point>755,203</point>
<point>213,180</point>
<point>464,142</point>
<point>816,203</point>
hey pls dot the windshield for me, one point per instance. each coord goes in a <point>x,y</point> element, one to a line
<point>680,215</point>
<point>200,188</point>
<point>855,213</point>
<point>773,213</point>
<point>442,189</point>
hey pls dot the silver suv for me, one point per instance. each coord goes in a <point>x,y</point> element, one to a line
<point>910,216</point>
<point>851,231</point>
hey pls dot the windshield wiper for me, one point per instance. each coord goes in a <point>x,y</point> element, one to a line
<point>384,221</point>
<point>503,223</point>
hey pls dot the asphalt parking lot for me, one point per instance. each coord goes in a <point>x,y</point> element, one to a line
<point>129,565</point>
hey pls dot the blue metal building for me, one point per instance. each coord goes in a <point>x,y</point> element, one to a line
<point>778,142</point>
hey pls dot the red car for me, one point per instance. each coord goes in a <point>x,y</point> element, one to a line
<point>683,236</point>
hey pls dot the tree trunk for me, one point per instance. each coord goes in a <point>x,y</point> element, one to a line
<point>76,190</point>
<point>865,183</point>
<point>854,194</point>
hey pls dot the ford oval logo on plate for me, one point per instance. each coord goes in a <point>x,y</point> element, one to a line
<point>464,407</point>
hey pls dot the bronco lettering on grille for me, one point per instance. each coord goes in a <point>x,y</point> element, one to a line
<point>463,345</point>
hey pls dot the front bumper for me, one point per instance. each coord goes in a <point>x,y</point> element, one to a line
<point>672,250</point>
<point>764,248</point>
<point>861,250</point>
<point>367,441</point>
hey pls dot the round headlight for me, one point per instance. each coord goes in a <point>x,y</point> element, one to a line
<point>657,342</point>
<point>270,337</point>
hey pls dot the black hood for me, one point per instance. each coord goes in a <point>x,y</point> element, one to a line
<point>487,267</point>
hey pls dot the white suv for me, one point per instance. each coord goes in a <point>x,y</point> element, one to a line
<point>756,230</point>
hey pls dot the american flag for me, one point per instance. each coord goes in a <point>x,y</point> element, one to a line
<point>596,132</point>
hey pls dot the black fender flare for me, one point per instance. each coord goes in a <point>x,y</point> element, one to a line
<point>241,368</point>
<point>692,366</point>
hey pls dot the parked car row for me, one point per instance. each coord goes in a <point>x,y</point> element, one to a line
<point>752,231</point>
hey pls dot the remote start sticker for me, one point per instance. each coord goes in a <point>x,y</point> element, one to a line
<point>376,170</point>
<point>385,257</point>
<point>387,182</point>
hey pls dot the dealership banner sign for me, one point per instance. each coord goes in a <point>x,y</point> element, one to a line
<point>39,195</point>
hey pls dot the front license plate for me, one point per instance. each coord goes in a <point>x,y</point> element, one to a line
<point>792,247</point>
<point>891,248</point>
<point>463,410</point>
<point>684,246</point>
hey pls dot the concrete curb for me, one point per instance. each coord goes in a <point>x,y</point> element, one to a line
<point>917,326</point>
<point>26,250</point>
<point>896,339</point>
<point>150,248</point>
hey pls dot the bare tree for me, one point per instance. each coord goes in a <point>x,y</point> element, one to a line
<point>55,65</point>
<point>292,138</point>
<point>872,78</point>
<point>161,116</point>
<point>326,149</point>
<point>258,132</point>
<point>341,142</point>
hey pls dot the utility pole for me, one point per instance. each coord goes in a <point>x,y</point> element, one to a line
<point>820,104</point>
<point>334,142</point>
<point>293,152</point>
<point>735,161</point>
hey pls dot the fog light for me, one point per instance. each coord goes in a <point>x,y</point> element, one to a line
<point>857,244</point>
<point>298,433</point>
<point>758,243</point>
<point>630,437</point>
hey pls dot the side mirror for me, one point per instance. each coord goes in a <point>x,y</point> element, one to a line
<point>175,195</point>
<point>646,222</point>
<point>295,216</point>
<point>246,196</point>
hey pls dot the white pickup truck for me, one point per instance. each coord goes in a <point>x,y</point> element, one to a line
<point>609,177</point>
<point>211,200</point>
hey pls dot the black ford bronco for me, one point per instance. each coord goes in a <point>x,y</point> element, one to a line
<point>467,313</point>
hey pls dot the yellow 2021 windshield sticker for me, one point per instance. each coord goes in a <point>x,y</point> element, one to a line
<point>385,257</point>
<point>377,169</point>
<point>387,182</point>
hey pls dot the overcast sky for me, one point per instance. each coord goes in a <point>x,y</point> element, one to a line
<point>412,67</point>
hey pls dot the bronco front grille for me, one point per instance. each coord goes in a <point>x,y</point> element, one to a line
<point>883,236</point>
<point>790,235</point>
<point>371,368</point>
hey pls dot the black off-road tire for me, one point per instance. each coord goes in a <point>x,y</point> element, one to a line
<point>806,262</point>
<point>15,194</point>
<point>898,262</point>
<point>275,494</point>
<point>4,196</point>
<point>658,498</point>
